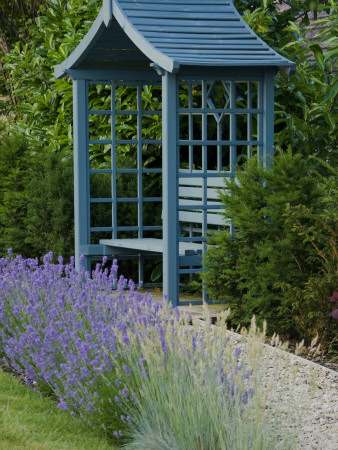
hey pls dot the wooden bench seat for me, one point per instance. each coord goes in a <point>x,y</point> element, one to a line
<point>151,245</point>
<point>199,210</point>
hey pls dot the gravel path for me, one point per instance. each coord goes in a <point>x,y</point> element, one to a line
<point>302,394</point>
<point>306,393</point>
<point>314,389</point>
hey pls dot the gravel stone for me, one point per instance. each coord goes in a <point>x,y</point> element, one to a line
<point>310,395</point>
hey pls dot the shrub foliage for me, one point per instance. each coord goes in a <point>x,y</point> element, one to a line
<point>281,262</point>
<point>271,267</point>
<point>36,200</point>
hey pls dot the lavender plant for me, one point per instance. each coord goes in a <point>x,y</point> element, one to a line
<point>57,325</point>
<point>129,367</point>
<point>197,390</point>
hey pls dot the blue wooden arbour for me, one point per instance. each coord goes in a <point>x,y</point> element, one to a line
<point>200,51</point>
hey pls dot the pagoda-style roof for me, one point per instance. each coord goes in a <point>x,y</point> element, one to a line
<point>132,34</point>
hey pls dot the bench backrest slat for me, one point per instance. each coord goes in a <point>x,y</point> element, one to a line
<point>191,193</point>
<point>197,217</point>
<point>197,192</point>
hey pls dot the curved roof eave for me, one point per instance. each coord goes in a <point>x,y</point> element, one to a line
<point>287,66</point>
<point>143,44</point>
<point>101,22</point>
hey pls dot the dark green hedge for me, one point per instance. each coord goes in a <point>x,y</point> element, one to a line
<point>36,200</point>
<point>281,263</point>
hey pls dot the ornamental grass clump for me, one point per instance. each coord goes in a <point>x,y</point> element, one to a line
<point>197,389</point>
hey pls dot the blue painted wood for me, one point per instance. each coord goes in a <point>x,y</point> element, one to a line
<point>139,168</point>
<point>217,73</point>
<point>171,35</point>
<point>140,179</point>
<point>93,250</point>
<point>188,43</point>
<point>144,45</point>
<point>124,112</point>
<point>113,163</point>
<point>95,75</point>
<point>170,189</point>
<point>204,179</point>
<point>81,170</point>
<point>233,128</point>
<point>268,116</point>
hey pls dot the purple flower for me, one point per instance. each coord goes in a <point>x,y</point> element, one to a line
<point>62,325</point>
<point>124,393</point>
<point>63,405</point>
<point>334,299</point>
<point>126,370</point>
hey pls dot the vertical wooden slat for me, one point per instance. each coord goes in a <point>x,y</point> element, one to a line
<point>139,177</point>
<point>204,155</point>
<point>205,171</point>
<point>139,160</point>
<point>249,105</point>
<point>233,127</point>
<point>219,137</point>
<point>113,159</point>
<point>260,119</point>
<point>190,118</point>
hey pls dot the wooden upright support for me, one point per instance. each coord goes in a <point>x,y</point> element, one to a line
<point>81,170</point>
<point>170,190</point>
<point>268,115</point>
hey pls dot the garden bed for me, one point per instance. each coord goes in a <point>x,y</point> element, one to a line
<point>138,371</point>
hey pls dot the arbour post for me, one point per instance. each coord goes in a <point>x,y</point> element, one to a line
<point>81,170</point>
<point>268,115</point>
<point>170,191</point>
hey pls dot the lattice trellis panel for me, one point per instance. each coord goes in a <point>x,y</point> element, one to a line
<point>220,122</point>
<point>125,129</point>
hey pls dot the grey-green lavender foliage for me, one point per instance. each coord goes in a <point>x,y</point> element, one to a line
<point>204,392</point>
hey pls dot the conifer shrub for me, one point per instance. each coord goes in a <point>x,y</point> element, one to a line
<point>318,229</point>
<point>50,205</point>
<point>274,264</point>
<point>13,194</point>
<point>36,199</point>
